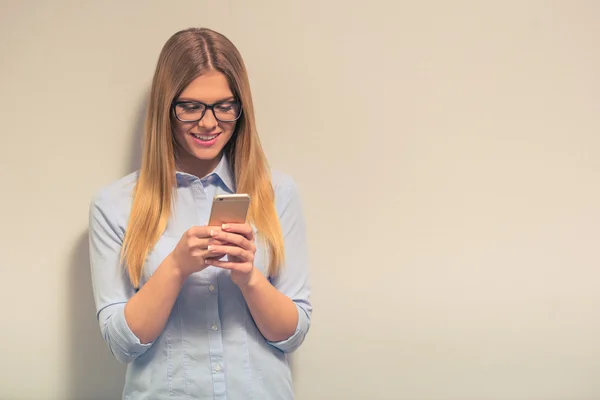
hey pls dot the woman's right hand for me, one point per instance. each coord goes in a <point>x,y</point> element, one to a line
<point>192,250</point>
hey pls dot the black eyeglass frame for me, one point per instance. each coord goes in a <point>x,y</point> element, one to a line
<point>207,107</point>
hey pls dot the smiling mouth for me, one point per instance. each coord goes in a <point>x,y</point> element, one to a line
<point>205,138</point>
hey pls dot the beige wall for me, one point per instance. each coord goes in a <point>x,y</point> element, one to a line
<point>448,153</point>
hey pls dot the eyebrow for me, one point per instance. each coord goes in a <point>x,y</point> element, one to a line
<point>187,99</point>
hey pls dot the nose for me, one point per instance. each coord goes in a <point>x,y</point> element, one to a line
<point>208,121</point>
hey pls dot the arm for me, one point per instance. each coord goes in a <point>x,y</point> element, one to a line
<point>148,310</point>
<point>280,306</point>
<point>129,321</point>
<point>275,314</point>
<point>293,279</point>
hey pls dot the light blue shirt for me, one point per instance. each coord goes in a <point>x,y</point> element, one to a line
<point>210,347</point>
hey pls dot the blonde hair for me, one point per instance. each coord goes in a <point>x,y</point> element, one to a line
<point>186,55</point>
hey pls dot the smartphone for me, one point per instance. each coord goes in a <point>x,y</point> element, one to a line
<point>229,209</point>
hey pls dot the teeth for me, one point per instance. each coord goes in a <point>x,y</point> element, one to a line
<point>205,138</point>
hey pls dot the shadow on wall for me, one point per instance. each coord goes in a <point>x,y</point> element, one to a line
<point>95,373</point>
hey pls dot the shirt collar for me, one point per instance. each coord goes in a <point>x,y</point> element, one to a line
<point>222,172</point>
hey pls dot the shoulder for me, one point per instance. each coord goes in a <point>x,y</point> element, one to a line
<point>283,184</point>
<point>115,198</point>
<point>285,189</point>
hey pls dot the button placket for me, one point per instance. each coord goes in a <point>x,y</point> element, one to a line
<point>213,327</point>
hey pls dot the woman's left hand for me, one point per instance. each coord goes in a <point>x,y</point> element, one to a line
<point>240,249</point>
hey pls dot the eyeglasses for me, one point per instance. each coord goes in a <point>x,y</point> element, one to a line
<point>193,111</point>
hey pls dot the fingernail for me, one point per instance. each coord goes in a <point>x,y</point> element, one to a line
<point>213,232</point>
<point>225,226</point>
<point>209,248</point>
<point>206,261</point>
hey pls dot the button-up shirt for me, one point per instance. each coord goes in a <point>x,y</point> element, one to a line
<point>210,347</point>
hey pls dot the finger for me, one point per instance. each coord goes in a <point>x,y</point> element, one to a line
<point>201,232</point>
<point>234,238</point>
<point>233,266</point>
<point>234,251</point>
<point>212,256</point>
<point>243,229</point>
<point>215,241</point>
<point>197,232</point>
<point>195,243</point>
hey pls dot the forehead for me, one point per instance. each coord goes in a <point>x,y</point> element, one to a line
<point>209,88</point>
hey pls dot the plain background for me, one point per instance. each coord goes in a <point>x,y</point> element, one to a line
<point>448,156</point>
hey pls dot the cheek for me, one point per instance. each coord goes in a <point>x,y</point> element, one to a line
<point>228,129</point>
<point>179,132</point>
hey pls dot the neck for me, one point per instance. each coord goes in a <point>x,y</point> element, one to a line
<point>194,166</point>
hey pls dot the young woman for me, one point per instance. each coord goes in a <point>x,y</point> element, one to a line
<point>197,311</point>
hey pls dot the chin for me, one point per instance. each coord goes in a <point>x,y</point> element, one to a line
<point>206,154</point>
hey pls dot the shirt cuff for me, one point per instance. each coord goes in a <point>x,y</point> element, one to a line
<point>124,344</point>
<point>293,342</point>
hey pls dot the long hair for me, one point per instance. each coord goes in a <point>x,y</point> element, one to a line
<point>186,55</point>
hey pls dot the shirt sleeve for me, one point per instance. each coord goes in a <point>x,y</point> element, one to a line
<point>293,279</point>
<point>111,286</point>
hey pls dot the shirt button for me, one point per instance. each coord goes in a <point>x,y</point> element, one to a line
<point>211,288</point>
<point>214,327</point>
<point>218,368</point>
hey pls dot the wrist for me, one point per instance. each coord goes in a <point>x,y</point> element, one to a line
<point>174,269</point>
<point>253,282</point>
